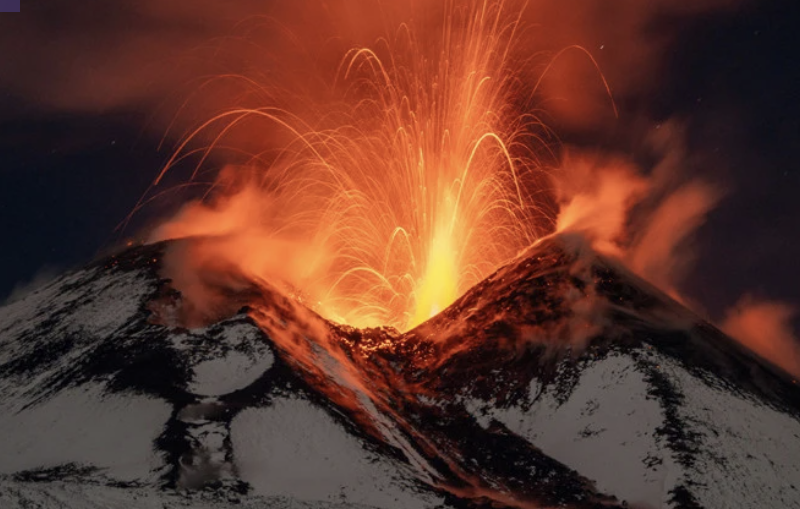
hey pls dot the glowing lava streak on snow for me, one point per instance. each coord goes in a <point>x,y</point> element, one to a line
<point>394,199</point>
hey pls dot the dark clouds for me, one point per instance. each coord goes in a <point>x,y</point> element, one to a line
<point>102,55</point>
<point>99,55</point>
<point>66,184</point>
<point>736,82</point>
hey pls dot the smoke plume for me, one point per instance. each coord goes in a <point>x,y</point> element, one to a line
<point>764,327</point>
<point>647,220</point>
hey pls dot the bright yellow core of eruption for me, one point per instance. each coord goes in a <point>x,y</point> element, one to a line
<point>394,199</point>
<point>438,287</point>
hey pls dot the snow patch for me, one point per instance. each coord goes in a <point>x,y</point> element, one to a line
<point>84,426</point>
<point>68,495</point>
<point>605,431</point>
<point>86,300</point>
<point>224,375</point>
<point>751,452</point>
<point>295,449</point>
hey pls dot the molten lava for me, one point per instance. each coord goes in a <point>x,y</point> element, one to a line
<point>390,201</point>
<point>439,285</point>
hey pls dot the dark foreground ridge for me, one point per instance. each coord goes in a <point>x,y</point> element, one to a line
<point>559,381</point>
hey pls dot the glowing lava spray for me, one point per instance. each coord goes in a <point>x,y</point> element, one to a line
<point>392,200</point>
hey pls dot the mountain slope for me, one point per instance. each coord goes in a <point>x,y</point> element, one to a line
<point>561,380</point>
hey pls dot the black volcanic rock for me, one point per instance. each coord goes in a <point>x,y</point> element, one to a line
<point>560,381</point>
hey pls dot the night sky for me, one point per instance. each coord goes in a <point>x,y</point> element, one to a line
<point>80,128</point>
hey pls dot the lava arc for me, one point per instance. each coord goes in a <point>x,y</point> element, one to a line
<point>412,185</point>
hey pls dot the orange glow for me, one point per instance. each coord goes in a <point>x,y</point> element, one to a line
<point>765,327</point>
<point>646,221</point>
<point>393,198</point>
<point>438,286</point>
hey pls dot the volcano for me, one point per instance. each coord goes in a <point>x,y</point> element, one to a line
<point>562,380</point>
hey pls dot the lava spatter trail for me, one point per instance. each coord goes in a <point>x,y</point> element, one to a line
<point>423,175</point>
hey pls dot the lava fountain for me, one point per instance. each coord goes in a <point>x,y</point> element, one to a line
<point>387,203</point>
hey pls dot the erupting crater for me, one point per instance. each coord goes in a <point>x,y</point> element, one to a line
<point>413,180</point>
<point>372,308</point>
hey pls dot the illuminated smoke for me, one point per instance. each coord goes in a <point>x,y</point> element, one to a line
<point>646,221</point>
<point>764,326</point>
<point>600,194</point>
<point>596,194</point>
<point>660,252</point>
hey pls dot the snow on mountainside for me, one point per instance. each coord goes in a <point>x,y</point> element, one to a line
<point>98,400</point>
<point>561,380</point>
